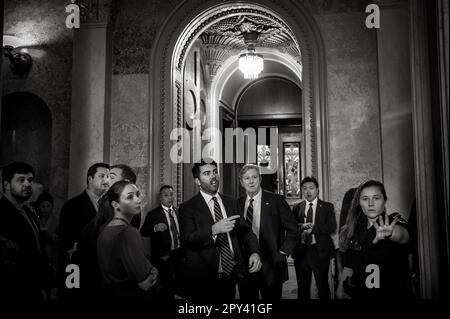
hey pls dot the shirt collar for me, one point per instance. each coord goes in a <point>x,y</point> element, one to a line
<point>256,197</point>
<point>208,197</point>
<point>314,202</point>
<point>165,208</point>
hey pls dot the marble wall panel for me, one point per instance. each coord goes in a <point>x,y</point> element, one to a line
<point>353,108</point>
<point>129,124</point>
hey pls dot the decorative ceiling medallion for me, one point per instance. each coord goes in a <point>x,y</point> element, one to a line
<point>246,24</point>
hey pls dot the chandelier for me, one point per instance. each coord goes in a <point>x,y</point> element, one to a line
<point>251,63</point>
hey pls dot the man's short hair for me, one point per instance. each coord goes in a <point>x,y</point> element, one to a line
<point>15,168</point>
<point>93,169</point>
<point>164,187</point>
<point>248,167</point>
<point>127,172</point>
<point>196,167</point>
<point>308,179</point>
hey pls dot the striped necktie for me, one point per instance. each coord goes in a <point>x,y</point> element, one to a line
<point>173,229</point>
<point>226,257</point>
<point>249,217</point>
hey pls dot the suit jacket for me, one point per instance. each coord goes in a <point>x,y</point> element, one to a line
<point>324,226</point>
<point>161,242</point>
<point>23,265</point>
<point>278,232</point>
<point>75,214</point>
<point>201,251</point>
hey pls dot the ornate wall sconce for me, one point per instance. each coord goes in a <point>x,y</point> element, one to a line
<point>20,60</point>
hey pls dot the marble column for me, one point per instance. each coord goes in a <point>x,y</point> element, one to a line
<point>90,114</point>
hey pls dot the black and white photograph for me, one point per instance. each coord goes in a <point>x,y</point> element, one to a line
<point>224,157</point>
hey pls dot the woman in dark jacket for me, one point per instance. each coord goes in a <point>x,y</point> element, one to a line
<point>374,247</point>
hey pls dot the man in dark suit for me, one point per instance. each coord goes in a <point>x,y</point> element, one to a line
<point>23,266</point>
<point>275,227</point>
<point>77,213</point>
<point>317,221</point>
<point>213,236</point>
<point>162,226</point>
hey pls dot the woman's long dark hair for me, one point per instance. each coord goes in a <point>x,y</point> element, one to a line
<point>355,214</point>
<point>105,209</point>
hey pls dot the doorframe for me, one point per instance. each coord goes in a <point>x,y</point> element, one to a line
<point>173,41</point>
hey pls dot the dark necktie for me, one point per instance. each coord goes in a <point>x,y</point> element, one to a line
<point>173,230</point>
<point>309,219</point>
<point>249,217</point>
<point>226,257</point>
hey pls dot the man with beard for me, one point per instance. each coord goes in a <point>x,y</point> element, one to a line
<point>23,267</point>
<point>212,234</point>
<point>78,212</point>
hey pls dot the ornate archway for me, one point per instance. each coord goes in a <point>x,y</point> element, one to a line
<point>175,38</point>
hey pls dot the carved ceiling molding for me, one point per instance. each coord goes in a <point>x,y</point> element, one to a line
<point>211,20</point>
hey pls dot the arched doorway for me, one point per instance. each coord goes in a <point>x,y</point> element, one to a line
<point>273,103</point>
<point>26,133</point>
<point>175,40</point>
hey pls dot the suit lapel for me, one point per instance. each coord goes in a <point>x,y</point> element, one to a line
<point>318,212</point>
<point>203,209</point>
<point>26,226</point>
<point>90,208</point>
<point>302,211</point>
<point>226,204</point>
<point>264,212</point>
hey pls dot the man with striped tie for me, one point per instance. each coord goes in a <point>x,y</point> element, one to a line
<point>212,235</point>
<point>275,226</point>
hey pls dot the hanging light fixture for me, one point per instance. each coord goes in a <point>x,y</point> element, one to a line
<point>251,63</point>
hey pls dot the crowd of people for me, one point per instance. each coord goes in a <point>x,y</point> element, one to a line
<point>203,249</point>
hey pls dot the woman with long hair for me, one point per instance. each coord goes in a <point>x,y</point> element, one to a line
<point>373,247</point>
<point>126,270</point>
